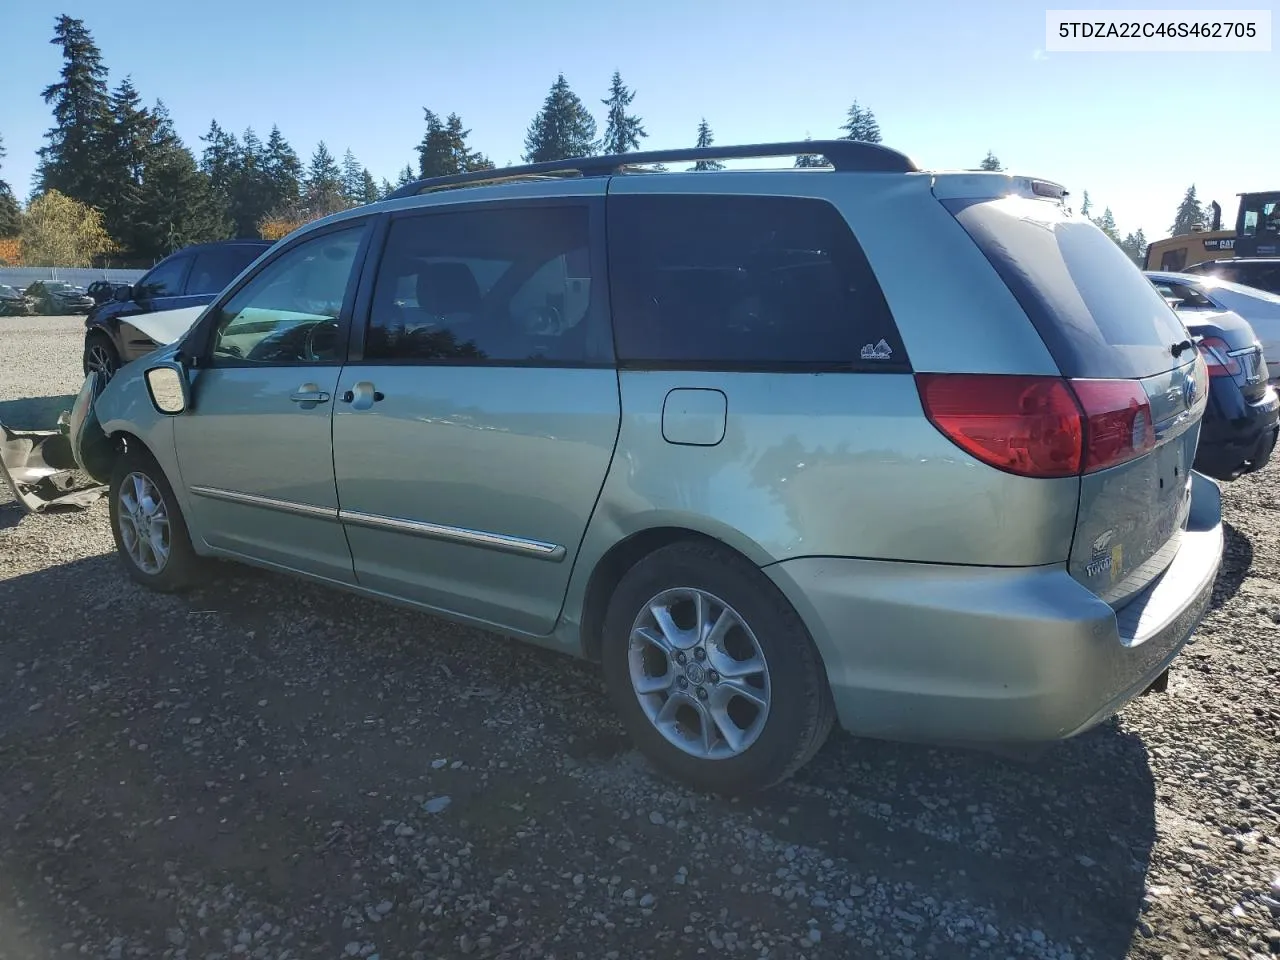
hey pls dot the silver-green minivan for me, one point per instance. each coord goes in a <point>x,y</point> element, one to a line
<point>901,449</point>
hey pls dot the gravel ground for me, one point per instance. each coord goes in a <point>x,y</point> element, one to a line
<point>263,768</point>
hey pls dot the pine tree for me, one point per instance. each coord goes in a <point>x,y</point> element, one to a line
<point>623,131</point>
<point>805,160</point>
<point>10,212</point>
<point>860,124</point>
<point>434,155</point>
<point>705,139</point>
<point>284,174</point>
<point>1086,205</point>
<point>1135,245</point>
<point>1107,224</point>
<point>562,129</point>
<point>990,162</point>
<point>124,148</point>
<point>465,159</point>
<point>220,162</point>
<point>177,205</point>
<point>352,178</point>
<point>324,193</point>
<point>368,188</point>
<point>1190,215</point>
<point>70,162</point>
<point>385,189</point>
<point>251,193</point>
<point>406,176</point>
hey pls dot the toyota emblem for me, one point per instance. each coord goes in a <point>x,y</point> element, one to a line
<point>1189,391</point>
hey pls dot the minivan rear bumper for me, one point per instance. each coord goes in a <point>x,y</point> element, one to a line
<point>952,654</point>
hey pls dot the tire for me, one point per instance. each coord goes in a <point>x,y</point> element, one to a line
<point>771,744</point>
<point>100,354</point>
<point>180,567</point>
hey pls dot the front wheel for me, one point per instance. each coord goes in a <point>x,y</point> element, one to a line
<point>100,356</point>
<point>713,672</point>
<point>148,527</point>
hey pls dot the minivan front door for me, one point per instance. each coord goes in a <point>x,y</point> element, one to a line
<point>472,438</point>
<point>255,450</point>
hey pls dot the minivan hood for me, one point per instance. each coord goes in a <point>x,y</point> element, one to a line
<point>166,326</point>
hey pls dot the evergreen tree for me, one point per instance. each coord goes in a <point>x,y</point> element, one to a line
<point>250,192</point>
<point>352,178</point>
<point>810,159</point>
<point>1190,214</point>
<point>990,162</point>
<point>622,131</point>
<point>705,139</point>
<point>123,159</point>
<point>324,193</point>
<point>1086,205</point>
<point>385,188</point>
<point>434,155</point>
<point>1135,245</point>
<point>220,162</point>
<point>465,159</point>
<point>10,212</point>
<point>1107,224</point>
<point>71,161</point>
<point>860,124</point>
<point>562,129</point>
<point>406,176</point>
<point>368,188</point>
<point>284,173</point>
<point>177,206</point>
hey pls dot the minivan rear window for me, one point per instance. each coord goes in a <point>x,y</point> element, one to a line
<point>1096,312</point>
<point>744,283</point>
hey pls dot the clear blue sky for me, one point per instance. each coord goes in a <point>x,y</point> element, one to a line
<point>947,81</point>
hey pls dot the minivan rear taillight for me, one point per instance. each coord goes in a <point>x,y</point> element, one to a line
<point>1040,426</point>
<point>1217,357</point>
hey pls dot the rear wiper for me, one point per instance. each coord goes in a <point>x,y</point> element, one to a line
<point>1180,346</point>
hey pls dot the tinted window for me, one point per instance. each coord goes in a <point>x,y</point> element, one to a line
<point>494,285</point>
<point>1095,311</point>
<point>216,268</point>
<point>288,312</point>
<point>744,281</point>
<point>165,280</point>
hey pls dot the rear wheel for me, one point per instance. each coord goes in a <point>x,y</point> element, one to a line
<point>714,674</point>
<point>147,524</point>
<point>100,355</point>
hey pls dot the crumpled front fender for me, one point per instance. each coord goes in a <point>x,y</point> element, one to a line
<point>48,443</point>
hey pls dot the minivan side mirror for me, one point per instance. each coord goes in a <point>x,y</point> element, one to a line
<point>169,389</point>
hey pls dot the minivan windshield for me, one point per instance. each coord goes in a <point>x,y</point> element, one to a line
<point>1093,307</point>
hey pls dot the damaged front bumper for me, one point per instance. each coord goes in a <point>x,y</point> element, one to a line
<point>48,444</point>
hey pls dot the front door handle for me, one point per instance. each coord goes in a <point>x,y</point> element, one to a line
<point>362,396</point>
<point>309,394</point>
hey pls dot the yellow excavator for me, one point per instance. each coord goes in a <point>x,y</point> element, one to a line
<point>1256,234</point>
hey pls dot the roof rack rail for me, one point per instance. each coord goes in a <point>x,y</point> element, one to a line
<point>844,155</point>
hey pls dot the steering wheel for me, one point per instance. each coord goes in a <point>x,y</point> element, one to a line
<point>326,327</point>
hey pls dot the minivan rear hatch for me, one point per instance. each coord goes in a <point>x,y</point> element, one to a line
<point>1101,320</point>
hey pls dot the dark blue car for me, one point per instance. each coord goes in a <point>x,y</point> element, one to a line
<point>189,278</point>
